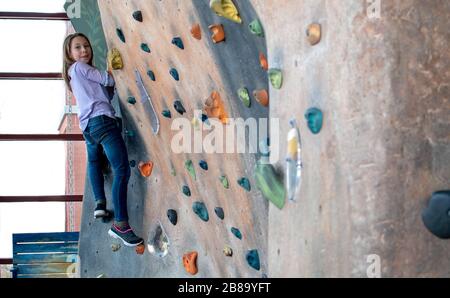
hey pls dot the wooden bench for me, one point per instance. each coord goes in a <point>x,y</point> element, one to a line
<point>45,255</point>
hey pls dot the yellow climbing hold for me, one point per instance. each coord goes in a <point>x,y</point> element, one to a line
<point>226,9</point>
<point>114,59</point>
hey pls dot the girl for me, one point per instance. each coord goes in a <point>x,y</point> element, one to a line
<point>101,132</point>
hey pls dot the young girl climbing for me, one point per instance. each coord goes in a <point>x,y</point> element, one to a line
<point>101,132</point>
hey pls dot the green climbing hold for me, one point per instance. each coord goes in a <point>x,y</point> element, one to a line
<point>151,75</point>
<point>314,118</point>
<point>252,258</point>
<point>203,164</point>
<point>236,233</point>
<point>244,183</point>
<point>167,113</point>
<point>190,167</point>
<point>219,212</point>
<point>256,28</point>
<point>137,15</point>
<point>224,181</point>
<point>199,208</point>
<point>268,182</point>
<point>145,47</point>
<point>120,34</point>
<point>244,96</point>
<point>276,78</point>
<point>186,191</point>
<point>131,100</point>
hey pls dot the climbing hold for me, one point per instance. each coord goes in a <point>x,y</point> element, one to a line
<point>219,212</point>
<point>262,97</point>
<point>120,34</point>
<point>190,167</point>
<point>131,100</point>
<point>173,172</point>
<point>203,164</point>
<point>186,191</point>
<point>178,42</point>
<point>252,258</point>
<point>140,249</point>
<point>276,78</point>
<point>293,161</point>
<point>151,75</point>
<point>224,181</point>
<point>196,31</point>
<point>218,34</point>
<point>137,15</point>
<point>167,113</point>
<point>190,262</point>
<point>204,118</point>
<point>145,47</point>
<point>236,233</point>
<point>268,182</point>
<point>244,96</point>
<point>172,215</point>
<point>129,133</point>
<point>179,107</point>
<point>228,251</point>
<point>263,61</point>
<point>145,168</point>
<point>132,163</point>
<point>244,183</point>
<point>256,28</point>
<point>174,73</point>
<point>195,123</point>
<point>215,108</point>
<point>314,33</point>
<point>199,208</point>
<point>158,241</point>
<point>115,247</point>
<point>436,215</point>
<point>314,118</point>
<point>226,9</point>
<point>114,59</point>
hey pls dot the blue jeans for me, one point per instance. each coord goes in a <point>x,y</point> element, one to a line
<point>103,134</point>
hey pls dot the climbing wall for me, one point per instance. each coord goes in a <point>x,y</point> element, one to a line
<point>203,67</point>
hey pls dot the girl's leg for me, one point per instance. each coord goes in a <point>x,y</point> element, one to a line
<point>95,171</point>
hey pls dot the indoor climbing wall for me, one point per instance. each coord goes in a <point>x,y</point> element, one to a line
<point>184,204</point>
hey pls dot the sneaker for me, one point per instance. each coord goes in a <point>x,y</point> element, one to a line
<point>127,236</point>
<point>100,211</point>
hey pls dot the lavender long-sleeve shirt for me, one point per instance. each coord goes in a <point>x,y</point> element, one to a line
<point>86,82</point>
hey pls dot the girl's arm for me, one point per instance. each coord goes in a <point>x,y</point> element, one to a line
<point>93,74</point>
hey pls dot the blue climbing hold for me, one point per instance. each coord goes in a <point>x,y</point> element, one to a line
<point>179,107</point>
<point>178,42</point>
<point>219,212</point>
<point>186,191</point>
<point>131,100</point>
<point>252,258</point>
<point>199,208</point>
<point>174,73</point>
<point>167,113</point>
<point>236,233</point>
<point>151,75</point>
<point>314,118</point>
<point>244,183</point>
<point>173,217</point>
<point>145,47</point>
<point>204,165</point>
<point>120,35</point>
<point>204,118</point>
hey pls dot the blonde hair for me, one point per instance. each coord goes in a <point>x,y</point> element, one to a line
<point>67,60</point>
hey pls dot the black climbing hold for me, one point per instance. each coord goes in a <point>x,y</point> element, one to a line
<point>120,34</point>
<point>204,118</point>
<point>172,215</point>
<point>186,191</point>
<point>179,107</point>
<point>219,212</point>
<point>151,75</point>
<point>174,73</point>
<point>145,47</point>
<point>132,163</point>
<point>203,164</point>
<point>178,42</point>
<point>436,215</point>
<point>167,114</point>
<point>137,15</point>
<point>252,258</point>
<point>245,183</point>
<point>199,208</point>
<point>131,100</point>
<point>236,233</point>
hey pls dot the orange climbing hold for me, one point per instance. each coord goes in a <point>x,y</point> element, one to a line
<point>264,62</point>
<point>145,168</point>
<point>196,32</point>
<point>262,97</point>
<point>190,262</point>
<point>215,108</point>
<point>140,249</point>
<point>218,33</point>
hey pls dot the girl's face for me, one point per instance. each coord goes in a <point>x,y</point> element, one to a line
<point>80,50</point>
